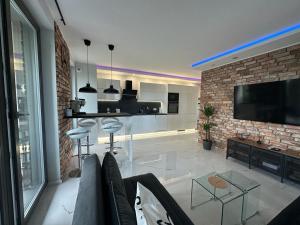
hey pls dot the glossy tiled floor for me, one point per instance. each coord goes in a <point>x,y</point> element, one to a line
<point>175,161</point>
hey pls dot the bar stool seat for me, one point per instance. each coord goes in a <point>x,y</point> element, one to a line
<point>88,124</point>
<point>111,125</point>
<point>77,134</point>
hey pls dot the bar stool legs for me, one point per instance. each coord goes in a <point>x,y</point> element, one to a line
<point>111,142</point>
<point>88,145</point>
<point>77,171</point>
<point>111,125</point>
<point>77,134</point>
<point>112,148</point>
<point>87,123</point>
<point>79,154</point>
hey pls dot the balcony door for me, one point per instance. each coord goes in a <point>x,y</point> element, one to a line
<point>29,133</point>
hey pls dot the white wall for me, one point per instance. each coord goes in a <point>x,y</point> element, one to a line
<point>103,84</point>
<point>50,105</point>
<point>91,102</point>
<point>82,78</point>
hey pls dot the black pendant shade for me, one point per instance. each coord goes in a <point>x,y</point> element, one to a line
<point>87,88</point>
<point>111,89</point>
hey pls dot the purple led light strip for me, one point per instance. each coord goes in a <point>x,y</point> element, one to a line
<point>140,72</point>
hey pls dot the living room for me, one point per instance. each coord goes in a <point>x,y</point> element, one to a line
<point>150,112</point>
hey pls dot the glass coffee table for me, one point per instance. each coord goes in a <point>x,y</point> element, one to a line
<point>250,189</point>
<point>214,188</point>
<point>237,194</point>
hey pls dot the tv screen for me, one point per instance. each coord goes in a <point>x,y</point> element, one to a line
<point>274,102</point>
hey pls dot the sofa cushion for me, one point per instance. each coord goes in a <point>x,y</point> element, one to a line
<point>121,213</point>
<point>152,183</point>
<point>148,208</point>
<point>90,204</point>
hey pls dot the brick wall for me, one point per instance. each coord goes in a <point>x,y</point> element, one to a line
<point>217,88</point>
<point>63,83</point>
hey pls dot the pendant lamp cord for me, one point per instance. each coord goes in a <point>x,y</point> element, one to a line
<point>111,67</point>
<point>87,63</point>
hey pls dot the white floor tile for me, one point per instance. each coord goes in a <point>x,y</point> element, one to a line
<point>175,161</point>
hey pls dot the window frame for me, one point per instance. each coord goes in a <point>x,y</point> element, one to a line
<point>9,133</point>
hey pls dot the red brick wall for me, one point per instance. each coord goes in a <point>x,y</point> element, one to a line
<point>217,88</point>
<point>64,91</point>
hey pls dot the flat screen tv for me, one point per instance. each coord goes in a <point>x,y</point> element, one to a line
<point>274,102</point>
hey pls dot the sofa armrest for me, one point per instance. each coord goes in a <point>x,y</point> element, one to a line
<point>289,215</point>
<point>152,183</point>
<point>90,205</point>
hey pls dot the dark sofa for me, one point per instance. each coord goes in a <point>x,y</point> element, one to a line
<point>93,206</point>
<point>288,216</point>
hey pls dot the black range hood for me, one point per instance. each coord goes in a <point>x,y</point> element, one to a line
<point>128,93</point>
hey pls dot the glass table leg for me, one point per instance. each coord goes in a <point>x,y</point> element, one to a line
<point>192,193</point>
<point>222,213</point>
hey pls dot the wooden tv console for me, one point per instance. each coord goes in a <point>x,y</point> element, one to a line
<point>284,163</point>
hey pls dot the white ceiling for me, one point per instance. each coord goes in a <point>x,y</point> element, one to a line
<point>167,36</point>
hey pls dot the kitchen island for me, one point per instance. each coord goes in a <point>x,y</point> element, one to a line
<point>124,136</point>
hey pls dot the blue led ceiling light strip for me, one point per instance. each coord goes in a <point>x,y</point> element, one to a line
<point>249,44</point>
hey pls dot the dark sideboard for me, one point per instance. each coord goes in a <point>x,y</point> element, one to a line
<point>284,163</point>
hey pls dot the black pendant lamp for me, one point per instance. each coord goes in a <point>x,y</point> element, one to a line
<point>87,88</point>
<point>111,89</point>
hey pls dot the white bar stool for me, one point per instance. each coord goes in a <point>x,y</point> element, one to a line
<point>77,134</point>
<point>111,125</point>
<point>88,124</point>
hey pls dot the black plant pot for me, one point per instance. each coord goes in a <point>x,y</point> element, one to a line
<point>207,144</point>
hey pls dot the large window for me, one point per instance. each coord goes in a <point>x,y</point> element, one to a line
<point>27,90</point>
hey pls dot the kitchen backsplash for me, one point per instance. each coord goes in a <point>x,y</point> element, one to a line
<point>129,106</point>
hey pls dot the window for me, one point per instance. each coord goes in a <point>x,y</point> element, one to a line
<point>27,91</point>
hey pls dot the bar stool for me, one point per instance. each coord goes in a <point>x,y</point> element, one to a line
<point>111,125</point>
<point>88,124</point>
<point>77,134</point>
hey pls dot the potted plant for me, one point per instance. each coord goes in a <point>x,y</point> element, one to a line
<point>208,111</point>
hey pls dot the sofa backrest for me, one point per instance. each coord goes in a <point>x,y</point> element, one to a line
<point>90,203</point>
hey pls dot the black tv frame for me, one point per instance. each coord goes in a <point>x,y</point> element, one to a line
<point>235,105</point>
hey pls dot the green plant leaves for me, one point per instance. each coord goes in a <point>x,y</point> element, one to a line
<point>208,110</point>
<point>208,126</point>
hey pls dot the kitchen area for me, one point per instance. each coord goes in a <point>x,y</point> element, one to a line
<point>144,106</point>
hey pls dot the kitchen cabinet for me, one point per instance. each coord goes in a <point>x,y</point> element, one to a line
<point>188,112</point>
<point>154,93</point>
<point>149,124</point>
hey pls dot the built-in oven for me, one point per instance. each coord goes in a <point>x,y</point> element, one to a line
<point>173,103</point>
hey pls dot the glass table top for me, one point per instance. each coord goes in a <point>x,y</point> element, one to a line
<point>219,187</point>
<point>239,180</point>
